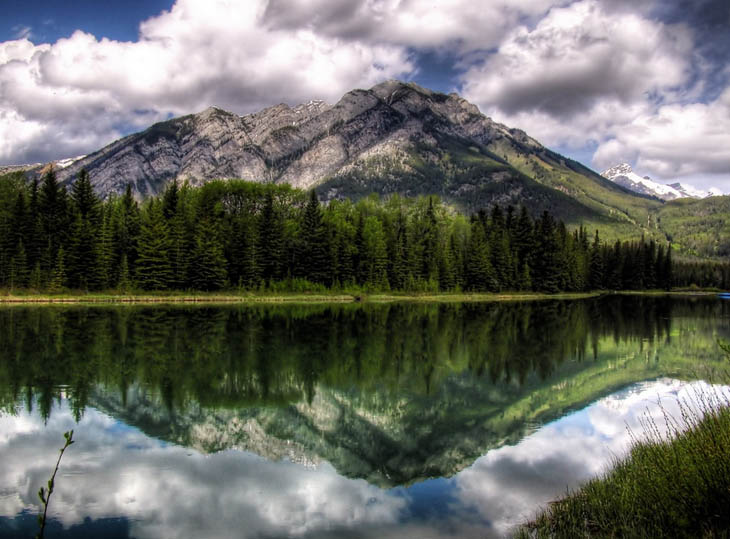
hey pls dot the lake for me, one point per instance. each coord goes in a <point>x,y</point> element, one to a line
<point>357,420</point>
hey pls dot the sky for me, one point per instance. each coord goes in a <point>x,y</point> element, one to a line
<point>640,81</point>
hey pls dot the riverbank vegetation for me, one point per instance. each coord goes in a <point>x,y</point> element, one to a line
<point>675,485</point>
<point>675,481</point>
<point>265,238</point>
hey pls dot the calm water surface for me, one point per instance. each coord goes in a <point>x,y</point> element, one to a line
<point>394,420</point>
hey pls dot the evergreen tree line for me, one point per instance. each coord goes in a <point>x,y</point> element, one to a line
<point>245,235</point>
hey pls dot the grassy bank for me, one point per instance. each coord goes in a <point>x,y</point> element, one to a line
<point>270,297</point>
<point>670,485</point>
<point>319,296</point>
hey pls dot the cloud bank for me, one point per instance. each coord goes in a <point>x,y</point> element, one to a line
<point>644,82</point>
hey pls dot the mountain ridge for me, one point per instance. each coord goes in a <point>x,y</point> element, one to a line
<point>393,138</point>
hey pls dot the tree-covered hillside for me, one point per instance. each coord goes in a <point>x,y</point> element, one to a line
<point>253,236</point>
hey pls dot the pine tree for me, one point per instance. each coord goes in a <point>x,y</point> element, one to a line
<point>244,257</point>
<point>547,270</point>
<point>207,265</point>
<point>83,257</point>
<point>523,242</point>
<point>19,229</point>
<point>153,270</point>
<point>19,267</point>
<point>34,243</point>
<point>359,260</point>
<point>178,250</point>
<point>84,198</point>
<point>35,280</point>
<point>170,201</point>
<point>313,260</point>
<point>271,234</point>
<point>125,282</point>
<point>374,255</point>
<point>525,278</point>
<point>125,233</point>
<point>105,275</point>
<point>447,269</point>
<point>668,270</point>
<point>430,241</point>
<point>58,276</point>
<point>596,269</point>
<point>650,280</point>
<point>52,211</point>
<point>480,275</point>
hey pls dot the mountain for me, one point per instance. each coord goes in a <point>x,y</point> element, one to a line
<point>624,175</point>
<point>393,138</point>
<point>688,191</point>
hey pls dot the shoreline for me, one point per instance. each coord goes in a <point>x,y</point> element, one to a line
<point>212,298</point>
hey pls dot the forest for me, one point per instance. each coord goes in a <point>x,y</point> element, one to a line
<point>232,234</point>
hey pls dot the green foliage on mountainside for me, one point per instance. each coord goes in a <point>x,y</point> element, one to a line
<point>617,212</point>
<point>699,228</point>
<point>471,177</point>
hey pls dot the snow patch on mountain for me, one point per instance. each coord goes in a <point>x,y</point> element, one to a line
<point>624,175</point>
<point>63,163</point>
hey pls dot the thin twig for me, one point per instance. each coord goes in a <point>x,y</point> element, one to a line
<point>46,497</point>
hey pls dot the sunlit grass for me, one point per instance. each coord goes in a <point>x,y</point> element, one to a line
<point>675,482</point>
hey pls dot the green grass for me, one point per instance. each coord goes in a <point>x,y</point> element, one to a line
<point>275,296</point>
<point>698,227</point>
<point>673,484</point>
<point>316,295</point>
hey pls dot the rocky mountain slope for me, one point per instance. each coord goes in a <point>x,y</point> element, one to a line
<point>624,175</point>
<point>393,138</point>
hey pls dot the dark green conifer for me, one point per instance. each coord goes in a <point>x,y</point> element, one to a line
<point>57,281</point>
<point>313,253</point>
<point>207,265</point>
<point>271,234</point>
<point>84,198</point>
<point>19,267</point>
<point>480,275</point>
<point>153,269</point>
<point>596,270</point>
<point>547,271</point>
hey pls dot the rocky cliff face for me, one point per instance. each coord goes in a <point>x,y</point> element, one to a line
<point>303,146</point>
<point>393,138</point>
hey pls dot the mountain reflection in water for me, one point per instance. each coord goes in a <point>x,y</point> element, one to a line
<point>386,420</point>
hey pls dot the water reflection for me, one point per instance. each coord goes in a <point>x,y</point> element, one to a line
<point>120,481</point>
<point>277,355</point>
<point>375,420</point>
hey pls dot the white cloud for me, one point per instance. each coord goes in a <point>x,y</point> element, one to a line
<point>570,73</point>
<point>83,91</point>
<point>462,24</point>
<point>577,56</point>
<point>615,79</point>
<point>675,140</point>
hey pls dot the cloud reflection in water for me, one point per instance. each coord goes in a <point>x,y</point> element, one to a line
<point>171,491</point>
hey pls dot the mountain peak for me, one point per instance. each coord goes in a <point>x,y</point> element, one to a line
<point>624,175</point>
<point>396,137</point>
<point>617,170</point>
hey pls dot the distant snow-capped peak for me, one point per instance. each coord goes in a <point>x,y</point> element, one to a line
<point>624,175</point>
